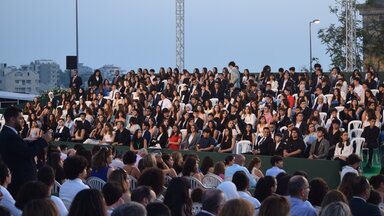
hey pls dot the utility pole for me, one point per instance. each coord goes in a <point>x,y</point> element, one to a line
<point>350,32</point>
<point>180,34</point>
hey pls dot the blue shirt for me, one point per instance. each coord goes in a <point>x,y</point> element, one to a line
<point>301,208</point>
<point>206,143</point>
<point>274,171</point>
<point>230,171</point>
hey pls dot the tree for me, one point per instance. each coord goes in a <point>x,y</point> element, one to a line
<point>334,37</point>
<point>374,42</point>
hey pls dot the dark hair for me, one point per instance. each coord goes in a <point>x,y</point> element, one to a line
<point>333,196</point>
<point>130,209</point>
<point>129,157</point>
<point>352,159</point>
<point>11,112</point>
<point>274,205</point>
<point>228,159</point>
<point>99,160</point>
<point>177,197</point>
<point>4,211</point>
<point>360,185</point>
<point>196,194</point>
<point>140,193</point>
<point>4,173</point>
<point>264,187</point>
<point>376,181</point>
<point>240,179</point>
<point>252,163</point>
<point>318,190</point>
<point>30,191</point>
<point>158,209</point>
<point>112,192</point>
<point>276,159</point>
<point>282,183</point>
<point>154,178</point>
<point>88,202</point>
<point>189,166</point>
<point>346,184</point>
<point>74,166</point>
<point>374,198</point>
<point>206,164</point>
<point>300,173</point>
<point>41,207</point>
<point>46,174</point>
<point>232,63</point>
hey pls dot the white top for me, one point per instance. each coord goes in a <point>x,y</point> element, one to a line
<point>250,119</point>
<point>253,174</point>
<point>60,205</point>
<point>70,188</point>
<point>63,156</point>
<point>359,90</point>
<point>347,150</point>
<point>117,163</point>
<point>8,202</point>
<point>274,171</point>
<point>166,103</point>
<point>347,169</point>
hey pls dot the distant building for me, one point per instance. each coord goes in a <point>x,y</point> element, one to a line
<point>108,71</point>
<point>48,71</point>
<point>21,80</point>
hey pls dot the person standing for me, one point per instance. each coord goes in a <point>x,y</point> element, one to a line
<point>235,75</point>
<point>75,81</point>
<point>371,134</point>
<point>16,153</point>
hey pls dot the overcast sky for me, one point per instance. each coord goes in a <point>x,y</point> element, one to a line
<point>141,33</point>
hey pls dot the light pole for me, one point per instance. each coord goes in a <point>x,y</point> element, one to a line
<point>316,21</point>
<point>77,34</point>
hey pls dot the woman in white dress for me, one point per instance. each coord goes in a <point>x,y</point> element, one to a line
<point>344,148</point>
<point>108,134</point>
<point>249,117</point>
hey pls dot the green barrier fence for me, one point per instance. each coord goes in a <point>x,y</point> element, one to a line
<point>328,170</point>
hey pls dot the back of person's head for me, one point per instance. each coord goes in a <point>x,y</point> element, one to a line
<point>40,207</point>
<point>333,196</point>
<point>318,190</point>
<point>274,205</point>
<point>265,187</point>
<point>206,164</point>
<point>130,209</point>
<point>158,209</point>
<point>376,181</point>
<point>74,166</point>
<point>154,178</point>
<point>46,174</point>
<point>238,207</point>
<point>129,157</point>
<point>229,189</point>
<point>189,166</point>
<point>212,200</point>
<point>4,173</point>
<point>360,186</point>
<point>374,197</point>
<point>29,191</point>
<point>296,185</point>
<point>347,184</point>
<point>336,208</point>
<point>240,179</point>
<point>282,183</point>
<point>300,173</point>
<point>112,193</point>
<point>239,159</point>
<point>177,196</point>
<point>142,194</point>
<point>352,159</point>
<point>120,177</point>
<point>4,211</point>
<point>275,159</point>
<point>88,202</point>
<point>11,112</point>
<point>196,194</point>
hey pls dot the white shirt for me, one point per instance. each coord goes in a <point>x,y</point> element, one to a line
<point>8,202</point>
<point>70,188</point>
<point>63,156</point>
<point>347,169</point>
<point>274,171</point>
<point>60,205</point>
<point>166,103</point>
<point>347,150</point>
<point>359,90</point>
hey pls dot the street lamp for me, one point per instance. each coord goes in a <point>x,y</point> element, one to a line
<point>316,21</point>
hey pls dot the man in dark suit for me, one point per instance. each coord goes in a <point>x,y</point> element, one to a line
<point>212,201</point>
<point>123,136</point>
<point>263,144</point>
<point>198,121</point>
<point>17,154</point>
<point>358,203</point>
<point>117,78</point>
<point>278,146</point>
<point>62,132</point>
<point>75,81</point>
<point>101,100</point>
<point>217,92</point>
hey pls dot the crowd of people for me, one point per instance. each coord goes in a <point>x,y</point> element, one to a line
<point>286,114</point>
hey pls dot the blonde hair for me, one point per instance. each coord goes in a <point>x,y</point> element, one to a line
<point>238,207</point>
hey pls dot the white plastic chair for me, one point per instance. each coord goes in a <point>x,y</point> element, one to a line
<point>283,129</point>
<point>339,109</point>
<point>88,103</point>
<point>374,91</point>
<point>195,182</point>
<point>25,117</point>
<point>95,183</point>
<point>329,98</point>
<point>211,180</point>
<point>182,106</point>
<point>56,187</point>
<point>355,133</point>
<point>214,101</point>
<point>133,182</point>
<point>323,117</point>
<point>358,145</point>
<point>180,87</point>
<point>355,123</point>
<point>184,133</point>
<point>243,146</point>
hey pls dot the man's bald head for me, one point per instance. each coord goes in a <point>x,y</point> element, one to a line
<point>239,159</point>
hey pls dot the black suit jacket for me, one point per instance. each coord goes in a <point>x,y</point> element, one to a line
<point>78,82</point>
<point>265,146</point>
<point>217,94</point>
<point>359,207</point>
<point>19,155</point>
<point>280,149</point>
<point>64,135</point>
<point>199,123</point>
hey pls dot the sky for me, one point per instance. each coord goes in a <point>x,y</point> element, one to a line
<point>141,33</point>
